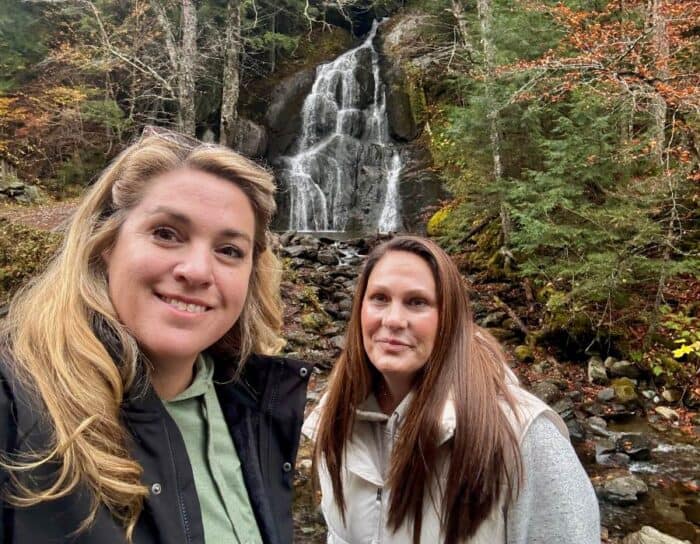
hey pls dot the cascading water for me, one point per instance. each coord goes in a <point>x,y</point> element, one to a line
<point>346,168</point>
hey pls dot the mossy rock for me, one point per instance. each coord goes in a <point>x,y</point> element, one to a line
<point>314,321</point>
<point>625,390</point>
<point>437,223</point>
<point>523,354</point>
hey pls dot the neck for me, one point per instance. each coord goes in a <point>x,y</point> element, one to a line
<point>390,393</point>
<point>171,380</point>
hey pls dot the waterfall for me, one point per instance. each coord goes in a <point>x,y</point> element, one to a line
<point>346,168</point>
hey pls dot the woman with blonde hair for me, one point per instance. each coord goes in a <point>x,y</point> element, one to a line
<point>424,435</point>
<point>139,398</point>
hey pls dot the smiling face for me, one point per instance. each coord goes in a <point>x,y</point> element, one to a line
<point>180,266</point>
<point>399,317</point>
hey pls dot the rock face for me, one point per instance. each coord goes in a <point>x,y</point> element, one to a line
<point>250,139</point>
<point>649,535</point>
<point>283,116</point>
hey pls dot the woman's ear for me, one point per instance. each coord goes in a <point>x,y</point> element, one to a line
<point>106,255</point>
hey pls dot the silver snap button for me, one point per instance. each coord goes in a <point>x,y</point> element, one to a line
<point>303,372</point>
<point>287,466</point>
<point>156,488</point>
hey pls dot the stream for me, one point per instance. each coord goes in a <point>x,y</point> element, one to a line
<point>672,474</point>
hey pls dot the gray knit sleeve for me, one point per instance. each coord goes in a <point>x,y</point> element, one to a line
<point>556,502</point>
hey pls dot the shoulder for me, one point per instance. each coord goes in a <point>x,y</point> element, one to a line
<point>274,385</point>
<point>529,409</point>
<point>269,370</point>
<point>556,496</point>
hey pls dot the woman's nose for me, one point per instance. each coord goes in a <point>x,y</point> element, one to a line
<point>394,316</point>
<point>195,267</point>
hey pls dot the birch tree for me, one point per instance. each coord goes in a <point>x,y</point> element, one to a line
<point>182,54</point>
<point>231,74</point>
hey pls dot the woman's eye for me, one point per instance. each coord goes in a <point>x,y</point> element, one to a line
<point>232,252</point>
<point>165,234</point>
<point>378,297</point>
<point>418,302</point>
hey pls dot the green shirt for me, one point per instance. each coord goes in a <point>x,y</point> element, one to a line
<point>223,498</point>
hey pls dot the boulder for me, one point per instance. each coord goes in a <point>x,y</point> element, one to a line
<point>596,371</point>
<point>667,413</point>
<point>671,395</point>
<point>636,445</point>
<point>547,391</point>
<point>625,390</point>
<point>249,138</point>
<point>328,256</point>
<point>523,354</point>
<point>649,535</point>
<point>625,369</point>
<point>606,454</point>
<point>623,490</point>
<point>606,395</point>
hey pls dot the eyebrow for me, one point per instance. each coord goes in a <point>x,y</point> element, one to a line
<point>182,218</point>
<point>411,292</point>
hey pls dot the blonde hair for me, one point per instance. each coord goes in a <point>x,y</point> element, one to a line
<point>73,355</point>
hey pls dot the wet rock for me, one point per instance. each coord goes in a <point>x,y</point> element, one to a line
<point>328,256</point>
<point>667,413</point>
<point>606,395</point>
<point>623,490</point>
<point>625,369</point>
<point>598,426</point>
<point>625,390</point>
<point>636,445</point>
<point>547,391</point>
<point>596,372</point>
<point>523,354</point>
<point>649,535</point>
<point>283,115</point>
<point>606,454</point>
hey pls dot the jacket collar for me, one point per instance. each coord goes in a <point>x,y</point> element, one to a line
<point>369,411</point>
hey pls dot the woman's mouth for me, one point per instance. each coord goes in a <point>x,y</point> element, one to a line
<point>183,306</point>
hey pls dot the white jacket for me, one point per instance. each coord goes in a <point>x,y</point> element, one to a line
<point>367,456</point>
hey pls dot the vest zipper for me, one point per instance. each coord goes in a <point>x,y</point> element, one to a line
<point>180,500</point>
<point>380,525</point>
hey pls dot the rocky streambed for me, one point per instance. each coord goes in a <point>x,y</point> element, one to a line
<point>641,451</point>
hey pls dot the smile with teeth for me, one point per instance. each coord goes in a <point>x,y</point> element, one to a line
<point>183,306</point>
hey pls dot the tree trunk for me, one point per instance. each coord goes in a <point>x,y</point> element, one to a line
<point>231,76</point>
<point>656,23</point>
<point>486,22</point>
<point>463,28</point>
<point>187,62</point>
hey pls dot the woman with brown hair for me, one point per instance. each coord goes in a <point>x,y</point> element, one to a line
<point>424,435</point>
<point>140,400</point>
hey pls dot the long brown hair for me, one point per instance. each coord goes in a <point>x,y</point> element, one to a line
<point>58,326</point>
<point>468,366</point>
